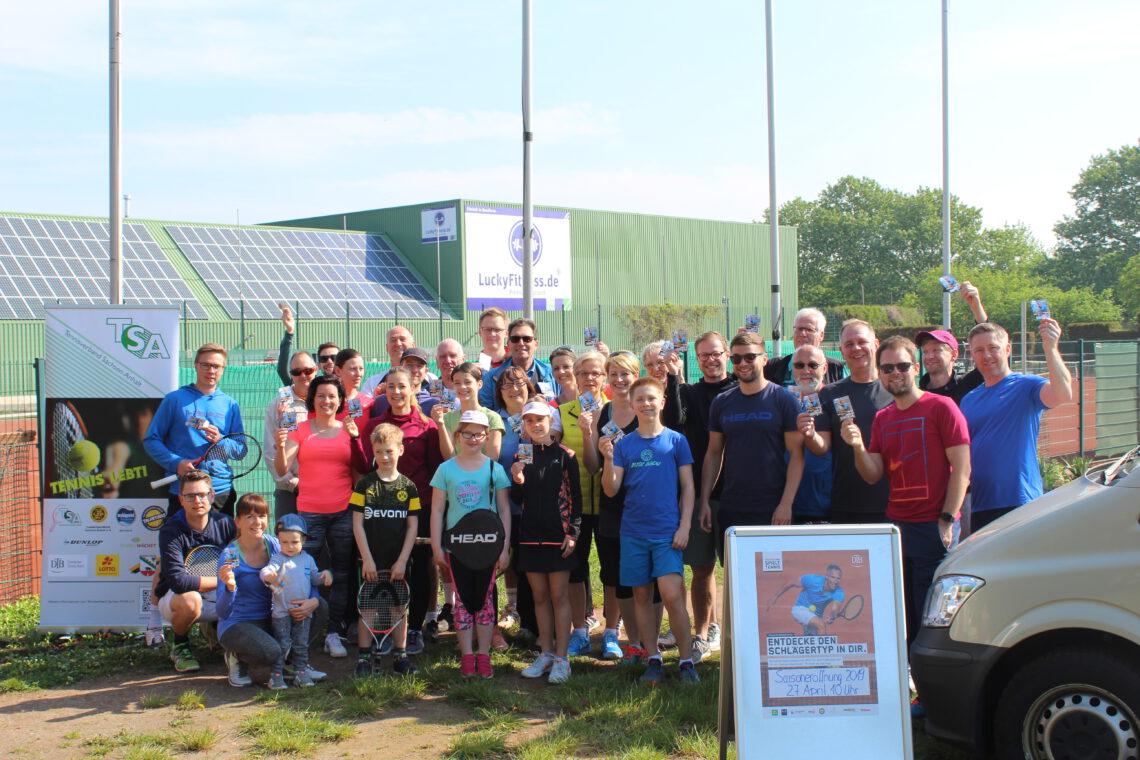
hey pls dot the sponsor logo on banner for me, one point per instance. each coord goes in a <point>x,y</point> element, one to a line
<point>107,565</point>
<point>138,340</point>
<point>773,562</point>
<point>61,516</point>
<point>146,566</point>
<point>515,243</point>
<point>67,565</point>
<point>83,542</point>
<point>153,517</point>
<point>98,513</point>
<point>125,516</point>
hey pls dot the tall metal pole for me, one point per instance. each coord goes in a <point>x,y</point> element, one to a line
<point>114,217</point>
<point>773,214</point>
<point>945,164</point>
<point>528,138</point>
<point>438,281</point>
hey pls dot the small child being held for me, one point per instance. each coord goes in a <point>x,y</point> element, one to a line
<point>385,515</point>
<point>290,574</point>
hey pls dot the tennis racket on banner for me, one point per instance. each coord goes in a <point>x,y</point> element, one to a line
<point>69,438</point>
<point>382,604</point>
<point>238,452</point>
<point>850,610</point>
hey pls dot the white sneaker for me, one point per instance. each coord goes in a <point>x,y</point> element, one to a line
<point>334,647</point>
<point>540,666</point>
<point>666,640</point>
<point>714,637</point>
<point>236,671</point>
<point>560,671</point>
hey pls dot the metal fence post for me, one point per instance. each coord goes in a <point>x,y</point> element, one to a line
<point>1081,396</point>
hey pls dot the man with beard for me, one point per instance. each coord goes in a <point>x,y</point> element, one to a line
<point>921,443</point>
<point>813,499</point>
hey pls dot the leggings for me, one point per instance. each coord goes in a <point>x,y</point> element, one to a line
<point>253,642</point>
<point>421,590</point>
<point>474,590</point>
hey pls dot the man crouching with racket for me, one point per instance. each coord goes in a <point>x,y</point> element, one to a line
<point>385,516</point>
<point>818,602</point>
<point>190,543</point>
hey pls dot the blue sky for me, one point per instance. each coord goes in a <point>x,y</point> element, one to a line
<point>285,109</point>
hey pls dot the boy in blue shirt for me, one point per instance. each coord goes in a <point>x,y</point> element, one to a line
<point>654,463</point>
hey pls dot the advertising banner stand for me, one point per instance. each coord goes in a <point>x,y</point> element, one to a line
<point>106,369</point>
<point>814,642</point>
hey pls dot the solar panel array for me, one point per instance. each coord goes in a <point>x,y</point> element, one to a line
<point>46,261</point>
<point>321,270</point>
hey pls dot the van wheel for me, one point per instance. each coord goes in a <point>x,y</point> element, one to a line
<point>1072,704</point>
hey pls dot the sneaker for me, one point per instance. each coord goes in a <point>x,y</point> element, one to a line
<point>540,667</point>
<point>560,672</point>
<point>483,666</point>
<point>415,643</point>
<point>316,675</point>
<point>237,672</point>
<point>655,673</point>
<point>611,649</point>
<point>446,621</point>
<point>689,673</point>
<point>276,681</point>
<point>467,665</point>
<point>579,645</point>
<point>666,640</point>
<point>714,637</point>
<point>631,655</point>
<point>700,649</point>
<point>498,643</point>
<point>334,647</point>
<point>510,617</point>
<point>386,646</point>
<point>431,631</point>
<point>593,624</point>
<point>305,679</point>
<point>363,667</point>
<point>183,658</point>
<point>209,631</point>
<point>403,666</point>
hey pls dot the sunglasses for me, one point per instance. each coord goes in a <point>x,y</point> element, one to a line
<point>738,358</point>
<point>901,367</point>
<point>327,357</point>
<point>305,371</point>
<point>801,365</point>
<point>522,339</point>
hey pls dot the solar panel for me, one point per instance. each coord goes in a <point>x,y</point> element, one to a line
<point>46,261</point>
<point>262,267</point>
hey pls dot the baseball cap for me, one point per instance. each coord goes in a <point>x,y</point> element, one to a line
<point>541,408</point>
<point>942,336</point>
<point>293,522</point>
<point>475,417</point>
<point>415,352</point>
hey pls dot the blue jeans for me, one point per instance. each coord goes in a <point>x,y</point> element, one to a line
<point>334,529</point>
<point>922,551</point>
<point>291,635</point>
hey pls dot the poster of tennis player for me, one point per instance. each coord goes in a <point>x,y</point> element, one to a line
<point>817,643</point>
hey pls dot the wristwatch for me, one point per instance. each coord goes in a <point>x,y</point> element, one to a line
<point>946,517</point>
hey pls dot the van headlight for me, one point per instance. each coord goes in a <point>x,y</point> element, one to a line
<point>946,597</point>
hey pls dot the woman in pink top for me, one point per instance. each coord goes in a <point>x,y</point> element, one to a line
<point>322,448</point>
<point>350,370</point>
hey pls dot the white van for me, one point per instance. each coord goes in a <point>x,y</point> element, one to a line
<point>1030,643</point>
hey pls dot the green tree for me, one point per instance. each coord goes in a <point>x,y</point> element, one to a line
<point>1096,242</point>
<point>1128,288</point>
<point>658,321</point>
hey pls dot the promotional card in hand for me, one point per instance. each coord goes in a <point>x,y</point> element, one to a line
<point>843,408</point>
<point>289,420</point>
<point>752,323</point>
<point>196,421</point>
<point>613,432</point>
<point>681,341</point>
<point>435,387</point>
<point>354,407</point>
<point>1040,309</point>
<point>546,389</point>
<point>667,346</point>
<point>949,284</point>
<point>809,403</point>
<point>525,453</point>
<point>590,336</point>
<point>589,402</point>
<point>448,400</point>
<point>515,421</point>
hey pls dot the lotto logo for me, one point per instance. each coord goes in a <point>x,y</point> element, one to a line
<point>107,565</point>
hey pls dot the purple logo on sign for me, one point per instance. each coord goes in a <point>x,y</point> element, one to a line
<point>439,218</point>
<point>515,241</point>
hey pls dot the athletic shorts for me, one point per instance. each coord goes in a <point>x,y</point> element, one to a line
<point>701,549</point>
<point>802,614</point>
<point>209,613</point>
<point>644,559</point>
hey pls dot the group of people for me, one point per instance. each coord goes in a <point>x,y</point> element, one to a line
<point>570,453</point>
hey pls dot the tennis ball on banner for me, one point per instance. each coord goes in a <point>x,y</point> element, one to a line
<point>812,608</point>
<point>84,456</point>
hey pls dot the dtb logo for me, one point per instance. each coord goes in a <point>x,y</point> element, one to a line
<point>137,340</point>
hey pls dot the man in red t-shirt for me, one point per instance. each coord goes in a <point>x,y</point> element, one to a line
<point>922,444</point>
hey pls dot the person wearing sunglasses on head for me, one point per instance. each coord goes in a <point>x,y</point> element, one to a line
<point>751,427</point>
<point>522,343</point>
<point>290,398</point>
<point>807,330</point>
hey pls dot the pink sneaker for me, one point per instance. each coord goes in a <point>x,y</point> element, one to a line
<point>467,665</point>
<point>483,665</point>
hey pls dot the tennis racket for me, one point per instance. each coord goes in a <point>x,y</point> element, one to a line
<point>382,604</point>
<point>235,455</point>
<point>852,609</point>
<point>67,430</point>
